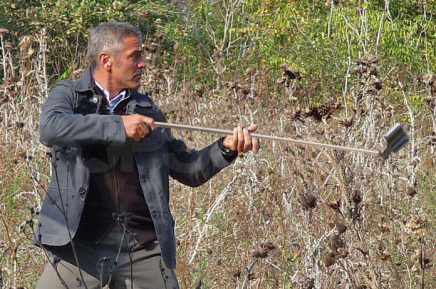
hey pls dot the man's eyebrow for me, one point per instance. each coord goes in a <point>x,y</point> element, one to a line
<point>136,51</point>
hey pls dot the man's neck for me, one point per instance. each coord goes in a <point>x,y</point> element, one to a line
<point>104,80</point>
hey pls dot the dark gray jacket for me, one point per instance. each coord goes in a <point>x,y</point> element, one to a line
<point>70,123</point>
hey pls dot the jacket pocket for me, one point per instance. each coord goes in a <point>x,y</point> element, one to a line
<point>57,199</point>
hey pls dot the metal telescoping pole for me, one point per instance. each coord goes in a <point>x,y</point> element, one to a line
<point>261,136</point>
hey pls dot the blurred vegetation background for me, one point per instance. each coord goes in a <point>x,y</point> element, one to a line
<point>336,71</point>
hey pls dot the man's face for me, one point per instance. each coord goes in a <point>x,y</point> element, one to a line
<point>127,66</point>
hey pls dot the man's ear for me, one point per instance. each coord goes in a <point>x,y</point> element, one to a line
<point>105,61</point>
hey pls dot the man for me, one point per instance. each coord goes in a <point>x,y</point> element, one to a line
<point>106,219</point>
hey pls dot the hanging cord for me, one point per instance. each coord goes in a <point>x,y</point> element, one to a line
<point>37,238</point>
<point>73,246</point>
<point>121,220</point>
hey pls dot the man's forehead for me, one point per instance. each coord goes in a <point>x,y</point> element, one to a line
<point>132,43</point>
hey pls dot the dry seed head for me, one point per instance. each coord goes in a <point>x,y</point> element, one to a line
<point>236,273</point>
<point>268,246</point>
<point>411,191</point>
<point>250,71</point>
<point>383,227</point>
<point>308,283</point>
<point>384,255</point>
<point>8,46</point>
<point>308,201</point>
<point>416,225</point>
<point>336,242</point>
<point>425,262</point>
<point>199,90</point>
<point>289,73</point>
<point>260,254</point>
<point>342,253</point>
<point>26,49</point>
<point>335,205</point>
<point>328,259</point>
<point>3,32</point>
<point>145,14</point>
<point>340,226</point>
<point>357,197</point>
<point>245,91</point>
<point>265,248</point>
<point>176,47</point>
<point>151,48</point>
<point>382,251</point>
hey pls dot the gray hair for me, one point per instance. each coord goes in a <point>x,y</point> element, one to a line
<point>108,37</point>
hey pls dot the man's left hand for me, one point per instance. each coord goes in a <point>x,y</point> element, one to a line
<point>241,141</point>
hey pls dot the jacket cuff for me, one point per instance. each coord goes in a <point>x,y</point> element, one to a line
<point>227,154</point>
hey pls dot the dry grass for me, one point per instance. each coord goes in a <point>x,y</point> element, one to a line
<point>289,217</point>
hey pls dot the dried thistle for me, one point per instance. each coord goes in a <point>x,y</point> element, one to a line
<point>308,201</point>
<point>328,258</point>
<point>3,32</point>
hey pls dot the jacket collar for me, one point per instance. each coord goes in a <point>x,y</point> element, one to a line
<point>84,83</point>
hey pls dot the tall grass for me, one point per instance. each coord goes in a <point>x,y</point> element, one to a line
<point>288,217</point>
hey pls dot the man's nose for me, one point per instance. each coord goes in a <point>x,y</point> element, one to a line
<point>141,63</point>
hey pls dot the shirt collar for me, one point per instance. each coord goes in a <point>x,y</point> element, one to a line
<point>115,100</point>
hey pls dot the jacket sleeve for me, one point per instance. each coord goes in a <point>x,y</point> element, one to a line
<point>193,168</point>
<point>59,125</point>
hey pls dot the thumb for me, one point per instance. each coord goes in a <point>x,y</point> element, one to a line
<point>252,128</point>
<point>149,122</point>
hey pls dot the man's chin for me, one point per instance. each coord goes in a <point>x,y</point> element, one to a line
<point>135,85</point>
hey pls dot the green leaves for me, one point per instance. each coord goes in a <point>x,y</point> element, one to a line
<point>218,40</point>
<point>66,74</point>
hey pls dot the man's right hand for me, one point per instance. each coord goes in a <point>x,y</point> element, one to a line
<point>137,126</point>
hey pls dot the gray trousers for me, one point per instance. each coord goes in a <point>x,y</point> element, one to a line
<point>116,261</point>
